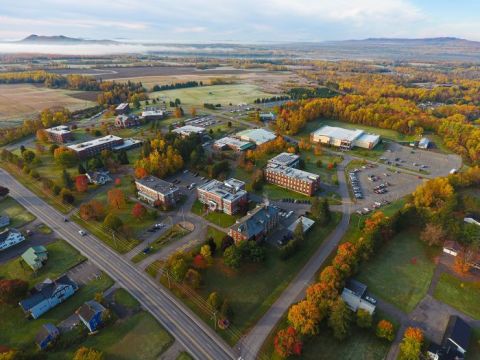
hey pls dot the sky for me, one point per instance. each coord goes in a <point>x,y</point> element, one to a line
<point>240,21</point>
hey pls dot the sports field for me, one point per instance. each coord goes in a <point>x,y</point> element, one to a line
<point>20,101</point>
<point>216,94</point>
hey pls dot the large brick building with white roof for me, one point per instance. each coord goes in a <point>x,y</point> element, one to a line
<point>227,196</point>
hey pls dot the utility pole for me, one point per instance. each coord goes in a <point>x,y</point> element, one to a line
<point>114,239</point>
<point>214,317</point>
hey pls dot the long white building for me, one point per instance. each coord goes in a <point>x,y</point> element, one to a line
<point>344,138</point>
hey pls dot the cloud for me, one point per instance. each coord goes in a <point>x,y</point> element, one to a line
<point>192,29</point>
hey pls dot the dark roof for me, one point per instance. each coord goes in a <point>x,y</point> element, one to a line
<point>46,330</point>
<point>4,234</point>
<point>458,331</point>
<point>254,223</point>
<point>89,309</point>
<point>45,290</point>
<point>356,287</point>
<point>157,184</point>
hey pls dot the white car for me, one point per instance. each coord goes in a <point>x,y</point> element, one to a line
<point>82,233</point>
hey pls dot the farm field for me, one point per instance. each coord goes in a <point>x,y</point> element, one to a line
<point>20,101</point>
<point>216,94</point>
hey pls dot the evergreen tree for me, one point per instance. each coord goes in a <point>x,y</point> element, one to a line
<point>67,180</point>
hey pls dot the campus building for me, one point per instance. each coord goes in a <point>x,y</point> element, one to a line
<point>285,159</point>
<point>256,225</point>
<point>256,136</point>
<point>122,108</point>
<point>227,196</point>
<point>126,121</point>
<point>59,134</point>
<point>94,147</point>
<point>345,139</point>
<point>157,192</point>
<point>151,114</point>
<point>293,179</point>
<point>231,143</point>
<point>187,130</point>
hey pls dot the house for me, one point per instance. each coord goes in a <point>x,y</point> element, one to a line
<point>306,224</point>
<point>94,147</point>
<point>98,177</point>
<point>256,225</point>
<point>9,238</point>
<point>90,313</point>
<point>4,221</point>
<point>157,192</point>
<point>59,134</point>
<point>256,136</point>
<point>455,343</point>
<point>47,295</point>
<point>35,257</point>
<point>228,196</point>
<point>424,143</point>
<point>126,121</point>
<point>356,296</point>
<point>345,139</point>
<point>47,334</point>
<point>123,108</point>
<point>267,116</point>
<point>187,130</point>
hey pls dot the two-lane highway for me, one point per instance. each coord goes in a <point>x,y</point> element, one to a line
<point>201,341</point>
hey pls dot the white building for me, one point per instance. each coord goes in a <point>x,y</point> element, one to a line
<point>306,224</point>
<point>257,136</point>
<point>344,138</point>
<point>356,296</point>
<point>187,130</point>
<point>9,238</point>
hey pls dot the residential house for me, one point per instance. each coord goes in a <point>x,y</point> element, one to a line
<point>47,334</point>
<point>126,121</point>
<point>455,343</point>
<point>98,177</point>
<point>4,221</point>
<point>35,257</point>
<point>256,225</point>
<point>157,192</point>
<point>267,116</point>
<point>123,108</point>
<point>356,296</point>
<point>228,196</point>
<point>9,238</point>
<point>47,295</point>
<point>90,313</point>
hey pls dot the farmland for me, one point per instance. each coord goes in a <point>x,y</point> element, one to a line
<point>25,100</point>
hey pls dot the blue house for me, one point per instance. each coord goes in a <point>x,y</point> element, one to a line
<point>91,314</point>
<point>47,334</point>
<point>47,295</point>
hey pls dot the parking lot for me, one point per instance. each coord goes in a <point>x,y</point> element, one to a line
<point>202,121</point>
<point>426,161</point>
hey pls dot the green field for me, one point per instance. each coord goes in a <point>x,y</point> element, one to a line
<point>61,257</point>
<point>184,356</point>
<point>19,216</point>
<point>123,298</point>
<point>215,217</point>
<point>253,288</point>
<point>215,94</point>
<point>401,271</point>
<point>462,295</point>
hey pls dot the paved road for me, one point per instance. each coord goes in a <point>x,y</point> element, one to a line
<point>195,336</point>
<point>253,341</point>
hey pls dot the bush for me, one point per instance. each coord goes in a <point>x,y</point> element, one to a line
<point>385,330</point>
<point>364,319</point>
<point>232,257</point>
<point>286,251</point>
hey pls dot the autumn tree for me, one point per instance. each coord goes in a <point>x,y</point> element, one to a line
<point>193,111</point>
<point>433,234</point>
<point>116,198</point>
<point>214,300</point>
<point>178,112</point>
<point>84,353</point>
<point>138,211</point>
<point>193,278</point>
<point>232,257</point>
<point>287,342</point>
<point>28,156</point>
<point>340,319</point>
<point>140,173</point>
<point>411,345</point>
<point>385,330</point>
<point>92,210</point>
<point>42,135</point>
<point>65,157</point>
<point>81,183</point>
<point>433,195</point>
<point>364,318</point>
<point>305,317</point>
<point>113,222</point>
<point>12,290</point>
<point>206,253</point>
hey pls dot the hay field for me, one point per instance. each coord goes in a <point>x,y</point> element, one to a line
<point>20,101</point>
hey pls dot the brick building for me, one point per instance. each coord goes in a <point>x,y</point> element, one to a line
<point>227,196</point>
<point>59,134</point>
<point>293,179</point>
<point>256,225</point>
<point>126,121</point>
<point>94,147</point>
<point>157,192</point>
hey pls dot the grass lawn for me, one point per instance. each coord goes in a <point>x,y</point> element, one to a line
<point>462,295</point>
<point>215,217</point>
<point>123,297</point>
<point>172,234</point>
<point>184,356</point>
<point>401,271</point>
<point>275,192</point>
<point>61,257</point>
<point>253,288</point>
<point>153,268</point>
<point>216,234</point>
<point>18,215</point>
<point>44,229</point>
<point>213,94</point>
<point>18,332</point>
<point>326,176</point>
<point>473,352</point>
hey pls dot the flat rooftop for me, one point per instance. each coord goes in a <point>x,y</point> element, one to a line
<point>338,133</point>
<point>152,113</point>
<point>258,136</point>
<point>225,141</point>
<point>284,159</point>
<point>230,190</point>
<point>369,138</point>
<point>121,106</point>
<point>159,185</point>
<point>293,173</point>
<point>62,129</point>
<point>95,142</point>
<point>189,129</point>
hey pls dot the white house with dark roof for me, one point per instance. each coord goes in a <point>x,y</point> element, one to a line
<point>356,296</point>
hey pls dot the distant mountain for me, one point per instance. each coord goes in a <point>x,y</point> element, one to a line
<point>61,40</point>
